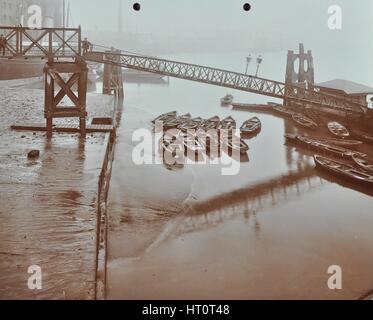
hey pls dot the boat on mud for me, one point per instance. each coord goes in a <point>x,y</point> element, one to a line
<point>227,100</point>
<point>363,162</point>
<point>344,170</point>
<point>251,127</point>
<point>338,130</point>
<point>304,121</point>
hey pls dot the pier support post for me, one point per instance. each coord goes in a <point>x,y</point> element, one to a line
<point>70,78</point>
<point>113,77</point>
<point>304,77</point>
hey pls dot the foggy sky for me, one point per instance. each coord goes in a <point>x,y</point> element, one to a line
<point>290,19</point>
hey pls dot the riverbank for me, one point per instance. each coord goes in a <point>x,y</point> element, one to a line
<point>49,205</point>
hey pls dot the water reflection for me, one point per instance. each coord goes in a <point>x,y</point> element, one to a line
<point>246,202</point>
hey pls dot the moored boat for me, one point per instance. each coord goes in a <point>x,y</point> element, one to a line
<point>189,125</point>
<point>338,130</point>
<point>251,127</point>
<point>227,124</point>
<point>165,117</point>
<point>175,122</point>
<point>343,142</point>
<point>304,121</point>
<point>363,162</point>
<point>235,144</point>
<point>323,147</point>
<point>367,138</point>
<point>290,137</point>
<point>212,123</point>
<point>227,100</point>
<point>193,147</point>
<point>344,170</point>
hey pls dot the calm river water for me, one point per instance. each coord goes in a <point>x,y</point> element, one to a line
<point>272,231</point>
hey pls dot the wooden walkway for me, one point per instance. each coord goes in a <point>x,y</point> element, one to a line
<point>66,128</point>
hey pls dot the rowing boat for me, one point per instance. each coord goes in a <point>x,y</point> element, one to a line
<point>343,142</point>
<point>165,117</point>
<point>236,144</point>
<point>367,138</point>
<point>304,122</point>
<point>227,124</point>
<point>212,123</point>
<point>227,100</point>
<point>323,147</point>
<point>338,130</point>
<point>188,125</point>
<point>328,148</point>
<point>251,127</point>
<point>175,122</point>
<point>363,162</point>
<point>193,147</point>
<point>344,170</point>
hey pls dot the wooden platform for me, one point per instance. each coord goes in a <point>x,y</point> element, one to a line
<point>67,128</point>
<point>262,108</point>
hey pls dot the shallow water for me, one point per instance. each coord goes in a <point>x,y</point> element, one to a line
<point>271,231</point>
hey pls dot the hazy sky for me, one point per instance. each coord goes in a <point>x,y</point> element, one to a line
<point>210,17</point>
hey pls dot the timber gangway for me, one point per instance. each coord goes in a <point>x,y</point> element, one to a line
<point>61,43</point>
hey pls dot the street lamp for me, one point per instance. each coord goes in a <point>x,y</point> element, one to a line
<point>259,60</point>
<point>248,60</point>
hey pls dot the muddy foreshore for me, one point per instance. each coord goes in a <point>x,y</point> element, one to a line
<point>48,207</point>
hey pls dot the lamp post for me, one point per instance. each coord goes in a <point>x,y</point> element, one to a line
<point>248,60</point>
<point>259,60</point>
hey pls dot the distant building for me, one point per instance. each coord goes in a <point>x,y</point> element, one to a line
<point>347,88</point>
<point>16,12</point>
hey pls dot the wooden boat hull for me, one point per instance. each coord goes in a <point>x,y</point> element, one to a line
<point>338,130</point>
<point>165,117</point>
<point>367,138</point>
<point>227,100</point>
<point>232,145</point>
<point>322,147</point>
<point>363,162</point>
<point>304,122</point>
<point>251,127</point>
<point>343,170</point>
<point>343,142</point>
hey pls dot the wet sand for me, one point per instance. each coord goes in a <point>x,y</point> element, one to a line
<point>48,206</point>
